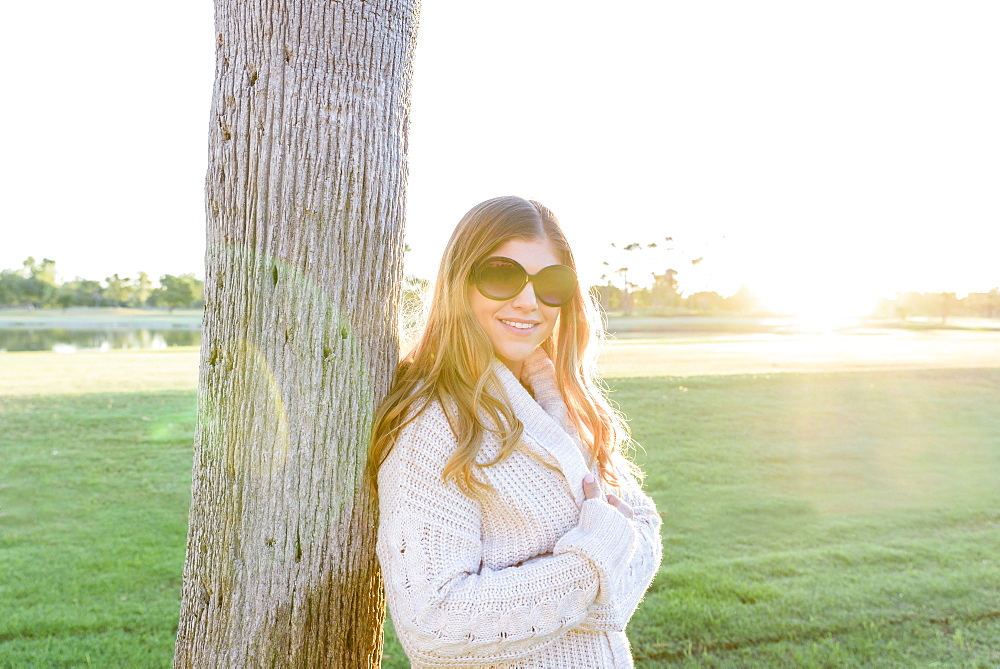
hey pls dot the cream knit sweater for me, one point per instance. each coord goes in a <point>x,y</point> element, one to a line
<point>536,576</point>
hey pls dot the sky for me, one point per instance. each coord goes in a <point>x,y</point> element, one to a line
<point>813,151</point>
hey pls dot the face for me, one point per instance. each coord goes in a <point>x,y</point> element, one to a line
<point>516,327</point>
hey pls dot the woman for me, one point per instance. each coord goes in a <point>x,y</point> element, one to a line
<point>512,530</point>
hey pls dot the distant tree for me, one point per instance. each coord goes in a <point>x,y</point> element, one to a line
<point>640,297</point>
<point>40,288</point>
<point>626,295</point>
<point>948,304</point>
<point>744,301</point>
<point>609,296</point>
<point>984,305</point>
<point>142,288</point>
<point>414,291</point>
<point>605,294</point>
<point>13,288</point>
<point>664,292</point>
<point>44,271</point>
<point>118,291</point>
<point>706,302</point>
<point>184,291</point>
<point>81,293</point>
<point>929,305</point>
<point>629,296</point>
<point>412,310</point>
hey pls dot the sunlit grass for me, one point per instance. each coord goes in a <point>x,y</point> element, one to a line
<point>828,519</point>
<point>44,373</point>
<point>824,519</point>
<point>94,492</point>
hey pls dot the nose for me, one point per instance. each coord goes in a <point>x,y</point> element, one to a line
<point>526,300</point>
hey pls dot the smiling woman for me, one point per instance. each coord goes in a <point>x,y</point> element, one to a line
<point>506,300</point>
<point>512,530</point>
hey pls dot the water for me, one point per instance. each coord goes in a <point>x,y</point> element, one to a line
<point>71,340</point>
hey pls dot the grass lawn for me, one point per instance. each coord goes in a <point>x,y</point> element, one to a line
<point>94,491</point>
<point>822,519</point>
<point>37,373</point>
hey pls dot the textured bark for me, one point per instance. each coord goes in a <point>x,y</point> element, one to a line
<point>304,197</point>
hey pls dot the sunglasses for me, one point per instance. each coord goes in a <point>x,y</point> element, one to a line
<point>500,278</point>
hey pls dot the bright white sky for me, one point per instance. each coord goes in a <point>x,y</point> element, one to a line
<point>834,149</point>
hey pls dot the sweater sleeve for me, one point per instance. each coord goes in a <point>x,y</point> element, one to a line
<point>447,607</point>
<point>632,576</point>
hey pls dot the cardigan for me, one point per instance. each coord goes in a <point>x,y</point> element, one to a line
<point>535,576</point>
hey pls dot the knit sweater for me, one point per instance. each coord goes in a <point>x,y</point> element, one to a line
<point>535,576</point>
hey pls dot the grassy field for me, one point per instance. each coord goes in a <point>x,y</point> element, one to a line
<point>823,519</point>
<point>94,490</point>
<point>811,519</point>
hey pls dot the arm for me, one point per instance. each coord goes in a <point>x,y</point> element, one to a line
<point>630,578</point>
<point>449,609</point>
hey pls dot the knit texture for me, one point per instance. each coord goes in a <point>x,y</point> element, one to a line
<point>533,577</point>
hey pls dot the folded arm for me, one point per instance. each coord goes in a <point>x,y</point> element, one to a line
<point>447,607</point>
<point>630,576</point>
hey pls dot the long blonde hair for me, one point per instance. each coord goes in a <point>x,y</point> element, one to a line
<point>452,361</point>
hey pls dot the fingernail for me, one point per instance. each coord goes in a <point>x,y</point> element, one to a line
<point>589,478</point>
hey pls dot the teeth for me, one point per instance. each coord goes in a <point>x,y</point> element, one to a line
<point>519,326</point>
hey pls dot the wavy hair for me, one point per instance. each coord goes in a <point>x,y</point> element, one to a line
<point>452,360</point>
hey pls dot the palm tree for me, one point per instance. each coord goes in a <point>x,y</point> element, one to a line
<point>305,197</point>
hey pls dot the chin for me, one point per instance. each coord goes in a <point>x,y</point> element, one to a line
<point>516,353</point>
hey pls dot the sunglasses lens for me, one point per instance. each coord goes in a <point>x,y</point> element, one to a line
<point>500,278</point>
<point>555,285</point>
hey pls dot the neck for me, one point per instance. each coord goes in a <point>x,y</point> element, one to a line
<point>515,367</point>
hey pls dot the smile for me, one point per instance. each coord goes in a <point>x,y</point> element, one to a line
<point>519,326</point>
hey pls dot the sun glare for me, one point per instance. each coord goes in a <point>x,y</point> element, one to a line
<point>817,308</point>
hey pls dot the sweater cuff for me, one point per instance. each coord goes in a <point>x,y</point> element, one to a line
<point>605,537</point>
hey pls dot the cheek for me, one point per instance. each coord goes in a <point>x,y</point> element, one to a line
<point>551,318</point>
<point>480,306</point>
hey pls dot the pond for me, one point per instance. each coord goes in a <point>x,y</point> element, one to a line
<point>71,340</point>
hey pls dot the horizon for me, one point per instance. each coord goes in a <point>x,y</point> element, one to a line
<point>818,311</point>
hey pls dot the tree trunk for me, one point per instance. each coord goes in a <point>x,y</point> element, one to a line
<point>304,197</point>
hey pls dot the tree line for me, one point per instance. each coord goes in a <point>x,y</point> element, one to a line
<point>942,305</point>
<point>664,295</point>
<point>664,298</point>
<point>35,285</point>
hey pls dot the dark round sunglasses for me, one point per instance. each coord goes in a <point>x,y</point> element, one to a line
<point>500,278</point>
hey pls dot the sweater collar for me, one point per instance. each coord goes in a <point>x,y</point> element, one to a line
<point>544,420</point>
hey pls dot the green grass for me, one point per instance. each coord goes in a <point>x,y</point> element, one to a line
<point>94,493</point>
<point>822,519</point>
<point>809,519</point>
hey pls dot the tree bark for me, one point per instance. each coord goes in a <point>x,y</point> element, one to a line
<point>304,196</point>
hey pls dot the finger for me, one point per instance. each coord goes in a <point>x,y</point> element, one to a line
<point>590,488</point>
<point>621,505</point>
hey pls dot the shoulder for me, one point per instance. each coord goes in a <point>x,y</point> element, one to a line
<point>429,416</point>
<point>412,476</point>
<point>426,441</point>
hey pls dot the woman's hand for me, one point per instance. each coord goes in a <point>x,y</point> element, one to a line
<point>591,490</point>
